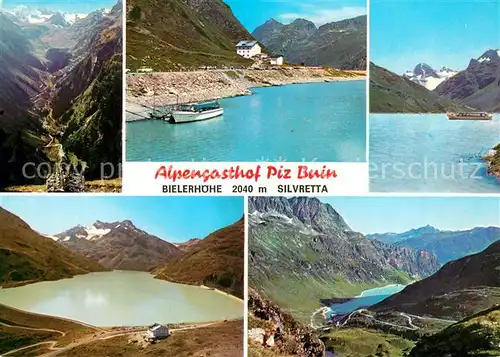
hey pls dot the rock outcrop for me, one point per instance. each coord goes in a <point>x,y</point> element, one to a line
<point>282,333</point>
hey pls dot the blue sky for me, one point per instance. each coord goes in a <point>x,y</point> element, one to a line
<point>71,6</point>
<point>437,32</point>
<point>176,219</point>
<point>400,214</point>
<point>253,13</point>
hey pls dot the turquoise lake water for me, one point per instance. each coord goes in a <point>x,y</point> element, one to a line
<point>429,153</point>
<point>303,122</point>
<point>122,298</point>
<point>367,298</point>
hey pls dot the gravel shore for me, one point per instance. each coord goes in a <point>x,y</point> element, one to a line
<point>148,90</point>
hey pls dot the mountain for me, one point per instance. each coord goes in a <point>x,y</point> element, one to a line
<point>460,288</point>
<point>302,251</point>
<point>477,335</point>
<point>58,19</point>
<point>187,245</point>
<point>119,245</point>
<point>340,44</point>
<point>60,92</point>
<point>446,245</point>
<point>28,257</point>
<point>427,76</point>
<point>478,85</point>
<point>391,93</point>
<point>216,261</point>
<point>22,77</point>
<point>178,34</point>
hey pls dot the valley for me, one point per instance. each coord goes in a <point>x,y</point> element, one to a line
<point>97,288</point>
<point>64,74</point>
<point>320,300</point>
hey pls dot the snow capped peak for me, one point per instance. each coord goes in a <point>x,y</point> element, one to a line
<point>94,232</point>
<point>489,55</point>
<point>427,76</point>
<point>37,16</point>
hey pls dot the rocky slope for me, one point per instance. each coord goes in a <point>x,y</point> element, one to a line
<point>27,257</point>
<point>391,93</point>
<point>302,251</point>
<point>339,44</point>
<point>460,288</point>
<point>119,245</point>
<point>493,161</point>
<point>273,332</point>
<point>205,85</point>
<point>478,335</point>
<point>216,261</point>
<point>179,34</point>
<point>478,85</point>
<point>446,245</point>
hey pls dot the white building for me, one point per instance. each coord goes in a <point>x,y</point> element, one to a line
<point>158,331</point>
<point>248,49</point>
<point>276,61</point>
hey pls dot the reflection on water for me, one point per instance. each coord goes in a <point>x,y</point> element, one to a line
<point>122,298</point>
<point>429,153</point>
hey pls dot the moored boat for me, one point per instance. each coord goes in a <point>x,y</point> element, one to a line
<point>196,112</point>
<point>469,116</point>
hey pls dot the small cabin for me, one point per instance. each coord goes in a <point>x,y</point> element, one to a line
<point>158,331</point>
<point>276,61</point>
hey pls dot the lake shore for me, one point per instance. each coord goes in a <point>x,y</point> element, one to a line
<point>157,89</point>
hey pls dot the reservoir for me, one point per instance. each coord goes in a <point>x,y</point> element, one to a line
<point>367,298</point>
<point>429,153</point>
<point>294,123</point>
<point>122,298</point>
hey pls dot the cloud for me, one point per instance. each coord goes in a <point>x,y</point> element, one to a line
<point>321,16</point>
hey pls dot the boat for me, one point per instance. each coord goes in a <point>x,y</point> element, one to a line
<point>469,116</point>
<point>187,113</point>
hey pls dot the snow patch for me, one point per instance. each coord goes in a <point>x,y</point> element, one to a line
<point>51,237</point>
<point>66,239</point>
<point>94,233</point>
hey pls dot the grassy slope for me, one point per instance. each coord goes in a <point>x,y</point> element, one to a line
<point>478,335</point>
<point>12,338</point>
<point>171,35</point>
<point>298,290</point>
<point>223,340</point>
<point>357,342</point>
<point>26,256</point>
<point>391,93</point>
<point>215,261</point>
<point>94,121</point>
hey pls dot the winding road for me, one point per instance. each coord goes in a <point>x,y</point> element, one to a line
<point>104,336</point>
<point>363,312</point>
